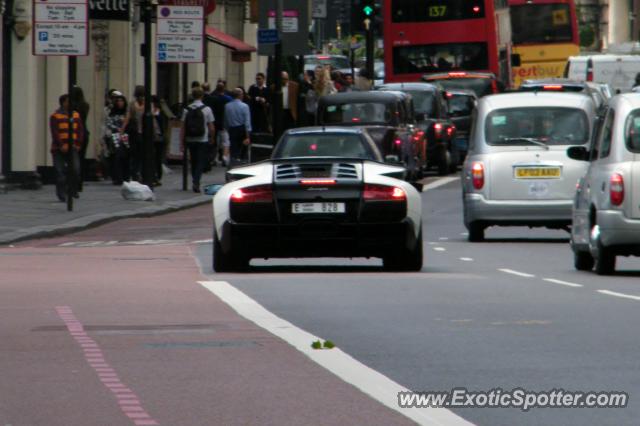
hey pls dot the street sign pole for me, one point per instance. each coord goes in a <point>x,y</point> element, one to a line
<point>277,65</point>
<point>72,179</point>
<point>369,33</point>
<point>148,169</point>
<point>185,102</point>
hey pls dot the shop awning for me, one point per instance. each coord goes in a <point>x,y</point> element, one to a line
<point>228,41</point>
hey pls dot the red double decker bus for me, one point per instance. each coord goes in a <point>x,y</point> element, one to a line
<point>435,36</point>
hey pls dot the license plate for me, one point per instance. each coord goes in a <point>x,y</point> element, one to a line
<point>537,172</point>
<point>302,208</point>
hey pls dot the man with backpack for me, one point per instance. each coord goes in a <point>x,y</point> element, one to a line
<point>197,133</point>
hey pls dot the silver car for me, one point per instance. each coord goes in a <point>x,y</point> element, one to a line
<point>517,171</point>
<point>606,213</point>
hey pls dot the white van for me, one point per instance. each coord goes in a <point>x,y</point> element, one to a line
<point>618,71</point>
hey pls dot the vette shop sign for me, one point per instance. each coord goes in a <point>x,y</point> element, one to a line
<point>110,10</point>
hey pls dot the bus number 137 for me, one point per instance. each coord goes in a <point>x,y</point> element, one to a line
<point>437,11</point>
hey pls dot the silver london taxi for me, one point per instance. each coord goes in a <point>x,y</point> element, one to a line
<point>517,171</point>
<point>606,211</point>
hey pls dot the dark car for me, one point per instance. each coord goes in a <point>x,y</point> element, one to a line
<point>432,117</point>
<point>482,83</point>
<point>461,105</point>
<point>389,119</point>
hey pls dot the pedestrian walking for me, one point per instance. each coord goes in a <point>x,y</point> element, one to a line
<point>116,140</point>
<point>104,156</point>
<point>217,101</point>
<point>82,106</point>
<point>66,143</point>
<point>237,122</point>
<point>260,103</point>
<point>133,127</point>
<point>196,135</point>
<point>159,140</point>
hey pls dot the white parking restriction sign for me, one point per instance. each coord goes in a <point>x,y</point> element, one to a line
<point>180,34</point>
<point>60,27</point>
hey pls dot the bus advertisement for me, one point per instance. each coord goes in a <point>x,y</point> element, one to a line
<point>435,36</point>
<point>544,33</point>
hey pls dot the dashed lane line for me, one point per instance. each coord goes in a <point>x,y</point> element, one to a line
<point>512,272</point>
<point>622,295</point>
<point>440,249</point>
<point>560,282</point>
<point>439,183</point>
<point>466,259</point>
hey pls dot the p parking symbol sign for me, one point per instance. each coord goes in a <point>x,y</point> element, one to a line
<point>43,36</point>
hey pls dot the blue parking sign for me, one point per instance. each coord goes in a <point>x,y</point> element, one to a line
<point>162,56</point>
<point>43,36</point>
<point>162,46</point>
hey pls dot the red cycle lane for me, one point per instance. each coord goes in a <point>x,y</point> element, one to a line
<point>124,335</point>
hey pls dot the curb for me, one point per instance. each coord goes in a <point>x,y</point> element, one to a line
<point>99,219</point>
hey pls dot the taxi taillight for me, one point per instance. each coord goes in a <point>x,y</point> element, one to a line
<point>477,174</point>
<point>616,189</point>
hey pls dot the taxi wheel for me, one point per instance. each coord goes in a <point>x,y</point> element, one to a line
<point>476,232</point>
<point>583,261</point>
<point>605,261</point>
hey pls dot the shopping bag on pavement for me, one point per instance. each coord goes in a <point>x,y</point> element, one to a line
<point>135,191</point>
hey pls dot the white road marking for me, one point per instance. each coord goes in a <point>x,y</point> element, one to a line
<point>369,381</point>
<point>443,239</point>
<point>512,272</point>
<point>440,249</point>
<point>67,244</point>
<point>202,241</point>
<point>552,280</point>
<point>466,259</point>
<point>624,296</point>
<point>464,234</point>
<point>439,183</point>
<point>431,243</point>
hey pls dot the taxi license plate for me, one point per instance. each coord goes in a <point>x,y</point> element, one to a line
<point>302,208</point>
<point>537,172</point>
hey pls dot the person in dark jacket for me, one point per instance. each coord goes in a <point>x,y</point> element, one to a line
<point>260,100</point>
<point>216,101</point>
<point>79,104</point>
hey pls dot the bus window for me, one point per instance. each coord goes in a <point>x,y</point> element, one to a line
<point>541,23</point>
<point>428,58</point>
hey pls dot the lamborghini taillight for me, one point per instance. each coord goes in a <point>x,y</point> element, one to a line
<point>253,194</point>
<point>374,192</point>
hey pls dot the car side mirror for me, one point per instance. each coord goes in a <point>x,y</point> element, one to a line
<point>579,153</point>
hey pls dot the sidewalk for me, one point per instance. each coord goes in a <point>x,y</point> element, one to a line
<point>27,214</point>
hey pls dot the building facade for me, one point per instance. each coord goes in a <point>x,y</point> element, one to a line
<point>32,84</point>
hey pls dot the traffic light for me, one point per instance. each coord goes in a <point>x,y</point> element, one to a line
<point>362,10</point>
<point>368,9</point>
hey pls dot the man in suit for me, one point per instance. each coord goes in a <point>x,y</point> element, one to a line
<point>260,96</point>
